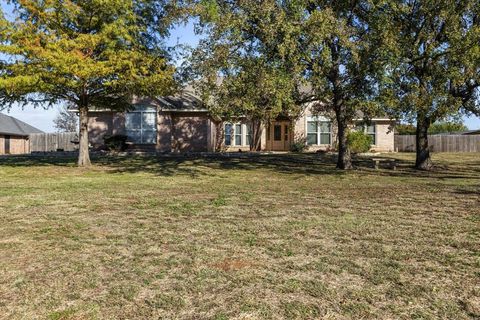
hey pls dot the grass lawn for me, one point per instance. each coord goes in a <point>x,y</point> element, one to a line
<point>284,236</point>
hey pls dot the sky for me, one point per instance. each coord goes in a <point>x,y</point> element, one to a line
<point>181,34</point>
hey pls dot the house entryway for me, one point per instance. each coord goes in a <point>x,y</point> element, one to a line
<point>279,136</point>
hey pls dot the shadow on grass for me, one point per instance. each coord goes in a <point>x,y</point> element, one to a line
<point>190,164</point>
<point>30,160</point>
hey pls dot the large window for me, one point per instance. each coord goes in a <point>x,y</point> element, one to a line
<point>237,134</point>
<point>319,132</point>
<point>141,125</point>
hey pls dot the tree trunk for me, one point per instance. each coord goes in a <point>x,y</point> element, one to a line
<point>83,154</point>
<point>219,136</point>
<point>423,160</point>
<point>256,135</point>
<point>344,161</point>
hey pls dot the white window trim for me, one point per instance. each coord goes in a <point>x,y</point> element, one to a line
<point>318,119</point>
<point>233,134</point>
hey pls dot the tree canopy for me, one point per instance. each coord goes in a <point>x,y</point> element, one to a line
<point>338,53</point>
<point>433,63</point>
<point>238,71</point>
<point>435,128</point>
<point>90,53</point>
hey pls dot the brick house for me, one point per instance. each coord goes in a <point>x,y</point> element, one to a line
<point>14,135</point>
<point>180,123</point>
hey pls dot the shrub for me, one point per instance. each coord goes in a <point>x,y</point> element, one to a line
<point>116,143</point>
<point>298,146</point>
<point>358,142</point>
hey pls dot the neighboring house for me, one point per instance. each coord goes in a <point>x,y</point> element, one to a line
<point>14,135</point>
<point>181,124</point>
<point>471,132</point>
<point>458,133</point>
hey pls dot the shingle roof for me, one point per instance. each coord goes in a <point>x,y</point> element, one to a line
<point>11,126</point>
<point>185,100</point>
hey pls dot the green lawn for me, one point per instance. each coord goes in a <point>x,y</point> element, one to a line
<point>263,238</point>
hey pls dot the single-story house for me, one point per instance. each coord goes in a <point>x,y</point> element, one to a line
<point>181,123</point>
<point>471,132</point>
<point>14,135</point>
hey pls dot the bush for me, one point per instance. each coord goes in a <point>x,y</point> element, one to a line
<point>116,143</point>
<point>358,142</point>
<point>298,146</point>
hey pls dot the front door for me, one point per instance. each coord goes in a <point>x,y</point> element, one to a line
<point>278,137</point>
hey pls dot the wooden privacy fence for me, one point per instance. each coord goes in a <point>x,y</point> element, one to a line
<point>50,142</point>
<point>440,143</point>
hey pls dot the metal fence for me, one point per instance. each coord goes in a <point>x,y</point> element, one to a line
<point>440,143</point>
<point>49,142</point>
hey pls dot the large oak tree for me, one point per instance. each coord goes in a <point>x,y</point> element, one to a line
<point>433,70</point>
<point>235,65</point>
<point>326,46</point>
<point>338,53</point>
<point>89,53</point>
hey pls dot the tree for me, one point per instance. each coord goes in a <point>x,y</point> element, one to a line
<point>236,71</point>
<point>437,127</point>
<point>338,53</point>
<point>324,44</point>
<point>433,53</point>
<point>89,53</point>
<point>447,127</point>
<point>65,120</point>
<point>405,129</point>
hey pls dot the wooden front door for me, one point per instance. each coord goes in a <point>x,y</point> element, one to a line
<point>279,137</point>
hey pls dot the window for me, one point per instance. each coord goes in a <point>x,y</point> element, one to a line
<point>277,132</point>
<point>325,132</point>
<point>312,132</point>
<point>238,134</point>
<point>141,125</point>
<point>319,132</point>
<point>248,141</point>
<point>286,132</point>
<point>228,134</point>
<point>370,130</point>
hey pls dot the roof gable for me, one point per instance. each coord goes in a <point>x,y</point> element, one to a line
<point>12,126</point>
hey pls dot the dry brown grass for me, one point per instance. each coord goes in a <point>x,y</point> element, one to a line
<point>261,238</point>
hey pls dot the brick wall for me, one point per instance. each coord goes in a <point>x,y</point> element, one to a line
<point>190,132</point>
<point>384,138</point>
<point>18,145</point>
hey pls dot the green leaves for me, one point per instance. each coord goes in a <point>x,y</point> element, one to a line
<point>209,11</point>
<point>432,58</point>
<point>243,61</point>
<point>83,50</point>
